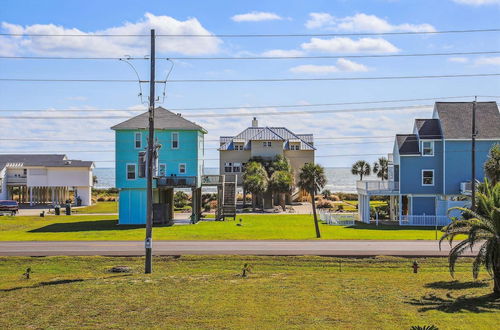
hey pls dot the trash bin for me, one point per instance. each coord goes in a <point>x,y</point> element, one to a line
<point>57,210</point>
<point>68,209</point>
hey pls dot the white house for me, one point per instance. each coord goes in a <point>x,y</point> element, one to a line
<point>45,179</point>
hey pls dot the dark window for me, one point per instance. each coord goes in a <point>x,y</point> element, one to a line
<point>142,164</point>
<point>131,171</point>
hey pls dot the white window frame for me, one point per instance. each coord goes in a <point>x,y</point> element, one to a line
<point>135,171</point>
<point>228,165</point>
<point>431,146</point>
<point>172,140</point>
<point>267,144</point>
<point>138,134</point>
<point>185,168</point>
<point>159,169</point>
<point>237,167</point>
<point>422,178</point>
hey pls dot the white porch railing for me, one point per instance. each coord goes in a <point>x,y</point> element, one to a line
<point>376,186</point>
<point>336,219</point>
<point>424,220</point>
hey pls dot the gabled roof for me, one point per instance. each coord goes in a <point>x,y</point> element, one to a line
<point>164,119</point>
<point>456,119</point>
<point>267,134</point>
<point>48,160</point>
<point>407,144</point>
<point>428,129</point>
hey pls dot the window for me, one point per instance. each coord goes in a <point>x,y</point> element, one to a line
<point>236,167</point>
<point>138,140</point>
<point>162,170</point>
<point>130,171</point>
<point>295,146</point>
<point>142,164</point>
<point>175,140</point>
<point>428,148</point>
<point>228,167</point>
<point>267,144</point>
<point>427,177</point>
<point>238,147</point>
<point>182,168</point>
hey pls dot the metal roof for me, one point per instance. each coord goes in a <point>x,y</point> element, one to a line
<point>46,160</point>
<point>267,134</point>
<point>164,119</point>
<point>456,119</point>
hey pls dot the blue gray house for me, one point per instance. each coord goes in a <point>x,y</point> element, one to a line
<point>430,170</point>
<point>179,165</point>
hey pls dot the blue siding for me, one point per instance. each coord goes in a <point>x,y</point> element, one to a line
<point>458,163</point>
<point>411,172</point>
<point>423,205</point>
<point>132,207</point>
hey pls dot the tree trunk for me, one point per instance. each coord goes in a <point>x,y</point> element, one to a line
<point>244,197</point>
<point>361,177</point>
<point>254,201</point>
<point>316,225</point>
<point>496,277</point>
<point>282,201</point>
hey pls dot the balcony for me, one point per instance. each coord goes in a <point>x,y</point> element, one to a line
<point>466,188</point>
<point>12,180</point>
<point>212,180</point>
<point>176,181</point>
<point>376,187</point>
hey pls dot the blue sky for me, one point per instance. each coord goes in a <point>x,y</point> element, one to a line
<point>242,17</point>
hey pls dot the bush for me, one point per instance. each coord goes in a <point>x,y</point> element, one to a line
<point>180,199</point>
<point>325,204</point>
<point>101,199</point>
<point>334,198</point>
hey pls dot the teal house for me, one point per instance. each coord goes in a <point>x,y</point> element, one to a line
<point>179,164</point>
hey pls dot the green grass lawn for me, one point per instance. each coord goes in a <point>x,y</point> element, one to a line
<point>99,207</point>
<point>253,227</point>
<point>208,292</point>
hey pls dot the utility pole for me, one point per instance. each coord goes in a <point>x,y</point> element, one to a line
<point>473,187</point>
<point>150,160</point>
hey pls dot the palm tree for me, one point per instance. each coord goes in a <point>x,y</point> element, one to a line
<point>281,182</point>
<point>381,168</point>
<point>492,164</point>
<point>481,227</point>
<point>312,179</point>
<point>255,180</point>
<point>361,168</point>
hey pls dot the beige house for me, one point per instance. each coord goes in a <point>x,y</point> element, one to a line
<point>265,142</point>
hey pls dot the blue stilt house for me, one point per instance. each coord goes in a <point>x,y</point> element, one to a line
<point>430,169</point>
<point>179,165</point>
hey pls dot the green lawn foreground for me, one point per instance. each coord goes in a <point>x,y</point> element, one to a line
<point>99,207</point>
<point>105,227</point>
<point>205,292</point>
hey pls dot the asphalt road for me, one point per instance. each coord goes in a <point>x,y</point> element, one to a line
<point>234,247</point>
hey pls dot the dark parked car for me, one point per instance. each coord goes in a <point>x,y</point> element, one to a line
<point>9,206</point>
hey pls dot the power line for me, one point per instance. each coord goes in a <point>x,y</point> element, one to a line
<point>252,80</point>
<point>255,35</point>
<point>254,107</point>
<point>281,113</point>
<point>223,58</point>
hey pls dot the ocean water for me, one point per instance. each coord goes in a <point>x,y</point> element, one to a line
<point>340,179</point>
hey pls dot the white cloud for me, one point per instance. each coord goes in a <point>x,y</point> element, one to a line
<point>348,45</point>
<point>342,65</point>
<point>256,16</point>
<point>7,47</point>
<point>458,59</point>
<point>478,2</point>
<point>488,61</point>
<point>361,23</point>
<point>117,46</point>
<point>283,52</point>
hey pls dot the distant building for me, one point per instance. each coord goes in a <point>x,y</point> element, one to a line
<point>431,169</point>
<point>45,178</point>
<point>267,143</point>
<point>179,165</point>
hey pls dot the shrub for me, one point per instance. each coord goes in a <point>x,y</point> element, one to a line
<point>101,199</point>
<point>334,198</point>
<point>325,204</point>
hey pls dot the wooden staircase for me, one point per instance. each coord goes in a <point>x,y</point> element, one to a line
<point>229,199</point>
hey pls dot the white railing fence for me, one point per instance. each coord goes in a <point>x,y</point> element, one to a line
<point>336,219</point>
<point>377,185</point>
<point>424,220</point>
